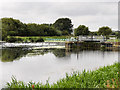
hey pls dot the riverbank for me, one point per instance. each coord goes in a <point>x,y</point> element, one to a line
<point>51,38</point>
<point>104,77</point>
<point>34,38</point>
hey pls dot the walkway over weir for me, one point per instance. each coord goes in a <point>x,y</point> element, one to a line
<point>80,38</point>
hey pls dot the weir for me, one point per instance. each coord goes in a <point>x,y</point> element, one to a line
<point>40,44</point>
<point>92,45</point>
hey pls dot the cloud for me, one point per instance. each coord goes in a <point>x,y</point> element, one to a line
<point>59,0</point>
<point>89,13</point>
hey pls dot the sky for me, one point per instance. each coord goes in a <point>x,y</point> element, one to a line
<point>91,13</point>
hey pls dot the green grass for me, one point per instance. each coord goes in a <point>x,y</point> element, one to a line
<point>104,77</point>
<point>44,37</point>
<point>61,38</point>
<point>24,39</point>
<point>116,40</point>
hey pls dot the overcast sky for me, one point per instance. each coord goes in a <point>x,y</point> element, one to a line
<point>93,14</point>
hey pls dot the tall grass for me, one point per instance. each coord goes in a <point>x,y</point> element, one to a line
<point>45,38</point>
<point>105,77</point>
<point>24,39</point>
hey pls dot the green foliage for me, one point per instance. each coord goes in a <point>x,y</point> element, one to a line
<point>116,40</point>
<point>81,30</point>
<point>94,33</point>
<point>40,40</point>
<point>13,27</point>
<point>64,25</point>
<point>36,39</point>
<point>105,30</point>
<point>45,38</point>
<point>11,39</point>
<point>100,78</point>
<point>117,34</point>
<point>113,33</point>
<point>42,30</point>
<point>11,54</point>
<point>65,32</point>
<point>4,34</point>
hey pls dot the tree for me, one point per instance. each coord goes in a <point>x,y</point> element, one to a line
<point>42,30</point>
<point>113,33</point>
<point>105,31</point>
<point>117,34</point>
<point>13,27</point>
<point>64,24</point>
<point>81,30</point>
<point>49,30</point>
<point>4,34</point>
<point>32,29</point>
<point>95,33</point>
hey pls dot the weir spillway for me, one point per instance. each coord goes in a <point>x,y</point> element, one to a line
<point>40,44</point>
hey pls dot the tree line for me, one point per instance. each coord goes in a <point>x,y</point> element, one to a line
<point>62,26</point>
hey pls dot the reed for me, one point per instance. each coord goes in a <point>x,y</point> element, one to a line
<point>104,77</point>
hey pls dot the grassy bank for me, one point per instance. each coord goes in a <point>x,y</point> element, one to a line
<point>45,38</point>
<point>105,77</point>
<point>34,38</point>
<point>59,37</point>
<point>116,40</point>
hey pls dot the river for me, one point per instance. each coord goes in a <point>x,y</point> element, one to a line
<point>42,64</point>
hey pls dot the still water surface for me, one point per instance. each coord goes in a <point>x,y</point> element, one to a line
<point>39,65</point>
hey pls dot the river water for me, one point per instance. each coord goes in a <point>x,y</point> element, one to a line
<point>43,64</point>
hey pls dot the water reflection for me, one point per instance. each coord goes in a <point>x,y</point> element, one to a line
<point>40,64</point>
<point>11,54</point>
<point>59,52</point>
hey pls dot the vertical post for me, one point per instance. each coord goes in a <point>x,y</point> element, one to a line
<point>103,38</point>
<point>77,47</point>
<point>118,28</point>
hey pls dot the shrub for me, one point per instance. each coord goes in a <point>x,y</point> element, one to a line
<point>19,40</point>
<point>11,39</point>
<point>104,77</point>
<point>32,39</point>
<point>14,39</point>
<point>36,39</point>
<point>40,40</point>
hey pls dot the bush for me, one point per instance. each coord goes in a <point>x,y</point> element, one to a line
<point>11,39</point>
<point>40,40</point>
<point>14,39</point>
<point>36,39</point>
<point>32,39</point>
<point>19,40</point>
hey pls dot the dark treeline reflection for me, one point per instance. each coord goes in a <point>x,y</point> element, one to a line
<point>59,52</point>
<point>11,54</point>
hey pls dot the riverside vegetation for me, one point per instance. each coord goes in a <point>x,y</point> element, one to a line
<point>25,39</point>
<point>104,77</point>
<point>14,30</point>
<point>61,27</point>
<point>20,39</point>
<point>35,38</point>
